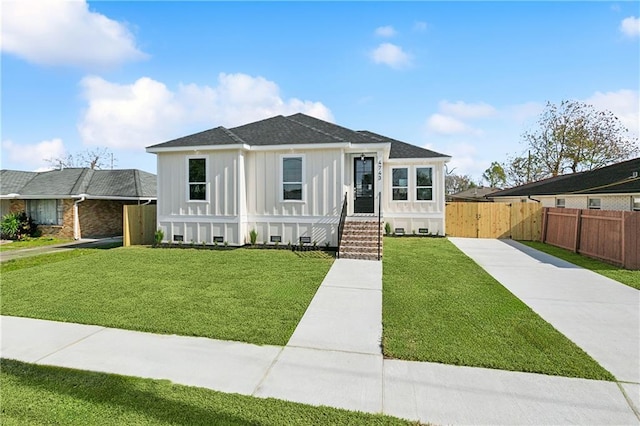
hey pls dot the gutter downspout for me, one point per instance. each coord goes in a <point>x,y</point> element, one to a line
<point>76,217</point>
<point>533,199</point>
<point>147,203</point>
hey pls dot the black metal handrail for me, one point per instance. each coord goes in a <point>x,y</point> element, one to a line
<point>343,217</point>
<point>379,220</point>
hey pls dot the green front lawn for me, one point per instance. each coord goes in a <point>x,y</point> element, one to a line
<point>255,296</point>
<point>33,243</point>
<point>35,395</point>
<point>625,276</point>
<point>440,306</point>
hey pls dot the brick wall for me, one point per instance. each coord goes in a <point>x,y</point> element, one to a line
<point>101,218</point>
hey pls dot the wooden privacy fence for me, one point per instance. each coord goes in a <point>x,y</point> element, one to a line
<point>139,224</point>
<point>613,236</point>
<point>519,221</point>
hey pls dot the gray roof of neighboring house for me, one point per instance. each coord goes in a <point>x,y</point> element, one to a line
<point>128,183</point>
<point>473,193</point>
<point>614,179</point>
<point>295,129</point>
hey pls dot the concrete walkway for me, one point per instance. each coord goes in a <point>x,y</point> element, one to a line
<point>334,359</point>
<point>54,248</point>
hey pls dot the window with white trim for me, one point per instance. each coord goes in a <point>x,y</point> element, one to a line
<point>594,203</point>
<point>292,178</point>
<point>424,183</point>
<point>560,203</point>
<point>635,203</point>
<point>400,183</point>
<point>45,212</point>
<point>197,179</point>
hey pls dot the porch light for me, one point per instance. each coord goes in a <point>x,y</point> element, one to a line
<point>361,157</point>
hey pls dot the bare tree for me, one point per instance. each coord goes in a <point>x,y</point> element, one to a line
<point>574,136</point>
<point>96,158</point>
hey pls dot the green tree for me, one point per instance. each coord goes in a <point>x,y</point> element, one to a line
<point>455,183</point>
<point>495,175</point>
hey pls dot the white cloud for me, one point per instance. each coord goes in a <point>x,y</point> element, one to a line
<point>146,112</point>
<point>33,156</point>
<point>391,55</point>
<point>446,125</point>
<point>630,26</point>
<point>467,110</point>
<point>623,104</point>
<point>61,32</point>
<point>386,31</point>
<point>420,26</point>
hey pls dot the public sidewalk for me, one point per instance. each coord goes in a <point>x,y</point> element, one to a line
<point>333,358</point>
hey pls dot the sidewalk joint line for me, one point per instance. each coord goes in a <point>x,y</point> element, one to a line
<point>629,400</point>
<point>334,350</point>
<point>268,371</point>
<point>70,344</point>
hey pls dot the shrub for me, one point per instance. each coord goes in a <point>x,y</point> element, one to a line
<point>158,236</point>
<point>253,236</point>
<point>387,228</point>
<point>17,226</point>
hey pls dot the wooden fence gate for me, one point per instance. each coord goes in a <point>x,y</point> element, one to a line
<point>139,224</point>
<point>519,221</point>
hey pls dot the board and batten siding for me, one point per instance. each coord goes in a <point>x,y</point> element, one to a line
<point>199,221</point>
<point>412,214</point>
<point>577,201</point>
<point>316,216</point>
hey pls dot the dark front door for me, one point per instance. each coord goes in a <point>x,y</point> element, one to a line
<point>363,186</point>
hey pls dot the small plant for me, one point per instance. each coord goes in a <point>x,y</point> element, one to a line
<point>226,244</point>
<point>215,243</point>
<point>387,228</point>
<point>204,243</point>
<point>277,244</point>
<point>158,236</point>
<point>253,236</point>
<point>289,244</point>
<point>18,226</point>
<point>315,244</point>
<point>193,243</point>
<point>414,232</point>
<point>327,244</point>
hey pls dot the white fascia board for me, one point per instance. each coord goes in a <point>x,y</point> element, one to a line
<point>374,146</point>
<point>299,147</point>
<point>418,160</point>
<point>198,148</point>
<point>70,197</point>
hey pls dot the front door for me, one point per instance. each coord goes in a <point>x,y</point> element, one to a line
<point>363,185</point>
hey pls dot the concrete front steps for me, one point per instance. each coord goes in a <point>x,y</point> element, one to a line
<point>360,239</point>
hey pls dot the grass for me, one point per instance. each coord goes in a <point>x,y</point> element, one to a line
<point>625,276</point>
<point>34,394</point>
<point>255,296</point>
<point>440,306</point>
<point>33,243</point>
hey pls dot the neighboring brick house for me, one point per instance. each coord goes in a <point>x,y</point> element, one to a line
<point>614,187</point>
<point>76,202</point>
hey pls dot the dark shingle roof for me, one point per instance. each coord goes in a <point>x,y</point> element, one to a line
<point>129,183</point>
<point>473,193</point>
<point>295,129</point>
<point>11,181</point>
<point>614,179</point>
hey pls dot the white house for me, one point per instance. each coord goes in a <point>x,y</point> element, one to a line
<point>614,187</point>
<point>288,177</point>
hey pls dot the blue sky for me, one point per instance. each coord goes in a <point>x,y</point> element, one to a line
<point>462,78</point>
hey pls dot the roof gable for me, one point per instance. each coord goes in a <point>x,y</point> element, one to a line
<point>293,130</point>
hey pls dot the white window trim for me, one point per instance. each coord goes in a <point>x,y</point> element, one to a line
<point>433,184</point>
<point>408,184</point>
<point>633,207</point>
<point>564,203</point>
<point>206,176</point>
<point>281,180</point>
<point>594,208</point>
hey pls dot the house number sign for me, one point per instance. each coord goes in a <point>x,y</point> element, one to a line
<point>379,170</point>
